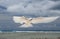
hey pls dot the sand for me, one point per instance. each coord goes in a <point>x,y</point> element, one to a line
<point>29,35</point>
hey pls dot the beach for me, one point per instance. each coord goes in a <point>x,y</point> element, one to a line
<point>29,35</point>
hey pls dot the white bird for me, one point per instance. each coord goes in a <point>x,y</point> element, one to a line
<point>27,22</point>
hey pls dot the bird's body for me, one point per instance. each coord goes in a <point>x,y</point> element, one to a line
<point>27,22</point>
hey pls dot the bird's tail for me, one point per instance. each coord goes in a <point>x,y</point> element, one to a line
<point>26,26</point>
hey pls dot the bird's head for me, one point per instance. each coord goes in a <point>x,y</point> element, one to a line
<point>30,19</point>
<point>23,17</point>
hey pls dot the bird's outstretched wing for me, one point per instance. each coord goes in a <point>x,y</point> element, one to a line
<point>43,19</point>
<point>18,19</point>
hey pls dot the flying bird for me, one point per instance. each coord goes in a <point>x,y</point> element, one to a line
<point>27,22</point>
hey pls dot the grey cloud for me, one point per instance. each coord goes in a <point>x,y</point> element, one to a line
<point>56,7</point>
<point>42,7</point>
<point>2,7</point>
<point>55,0</point>
<point>9,2</point>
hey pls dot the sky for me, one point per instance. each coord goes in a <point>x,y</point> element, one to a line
<point>42,7</point>
<point>9,8</point>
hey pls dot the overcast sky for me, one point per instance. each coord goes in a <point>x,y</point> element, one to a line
<point>32,6</point>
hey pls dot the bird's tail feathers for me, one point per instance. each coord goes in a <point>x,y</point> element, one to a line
<point>26,26</point>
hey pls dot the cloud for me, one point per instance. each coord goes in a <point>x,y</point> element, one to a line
<point>40,7</point>
<point>56,7</point>
<point>33,7</point>
<point>2,8</point>
<point>55,0</point>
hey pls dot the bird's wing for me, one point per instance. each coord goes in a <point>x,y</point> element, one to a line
<point>18,19</point>
<point>43,19</point>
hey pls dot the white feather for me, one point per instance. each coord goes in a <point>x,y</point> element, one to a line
<point>18,19</point>
<point>26,26</point>
<point>44,19</point>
